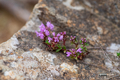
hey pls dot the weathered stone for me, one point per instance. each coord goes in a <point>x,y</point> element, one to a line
<point>110,9</point>
<point>24,56</point>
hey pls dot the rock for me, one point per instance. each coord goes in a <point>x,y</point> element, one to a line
<point>24,56</point>
<point>108,9</point>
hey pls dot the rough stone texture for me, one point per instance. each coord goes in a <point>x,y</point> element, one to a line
<point>24,57</point>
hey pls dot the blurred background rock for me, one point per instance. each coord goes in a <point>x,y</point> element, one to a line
<point>13,15</point>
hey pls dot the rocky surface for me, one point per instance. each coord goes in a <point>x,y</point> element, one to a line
<point>24,57</point>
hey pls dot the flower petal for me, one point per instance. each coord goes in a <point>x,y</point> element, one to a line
<point>68,54</point>
<point>61,37</point>
<point>53,33</point>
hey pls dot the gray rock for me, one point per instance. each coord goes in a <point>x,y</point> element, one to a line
<point>24,56</point>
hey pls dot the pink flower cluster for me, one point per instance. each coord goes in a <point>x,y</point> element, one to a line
<point>44,31</point>
<point>57,38</point>
<point>73,52</point>
<point>72,38</point>
<point>83,40</point>
<point>44,34</point>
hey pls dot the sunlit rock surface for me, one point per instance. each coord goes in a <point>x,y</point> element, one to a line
<point>25,57</point>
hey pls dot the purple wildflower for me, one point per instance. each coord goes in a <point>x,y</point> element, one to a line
<point>82,39</point>
<point>64,32</point>
<point>49,39</point>
<point>46,32</point>
<point>50,26</point>
<point>42,29</point>
<point>41,35</point>
<point>79,50</point>
<point>68,54</point>
<point>61,37</point>
<point>56,39</point>
<point>85,39</point>
<point>74,51</point>
<point>58,35</point>
<point>72,38</point>
<point>37,33</point>
<point>42,26</point>
<point>53,33</point>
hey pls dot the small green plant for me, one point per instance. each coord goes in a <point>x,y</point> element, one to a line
<point>118,54</point>
<point>56,42</point>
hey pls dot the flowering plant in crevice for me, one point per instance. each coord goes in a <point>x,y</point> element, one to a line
<point>56,42</point>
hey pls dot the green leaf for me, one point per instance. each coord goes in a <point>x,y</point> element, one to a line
<point>58,50</point>
<point>118,54</point>
<point>86,44</point>
<point>76,58</point>
<point>76,40</point>
<point>71,57</point>
<point>82,47</point>
<point>59,46</point>
<point>81,41</point>
<point>85,48</point>
<point>65,51</point>
<point>47,42</point>
<point>64,47</point>
<point>77,54</point>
